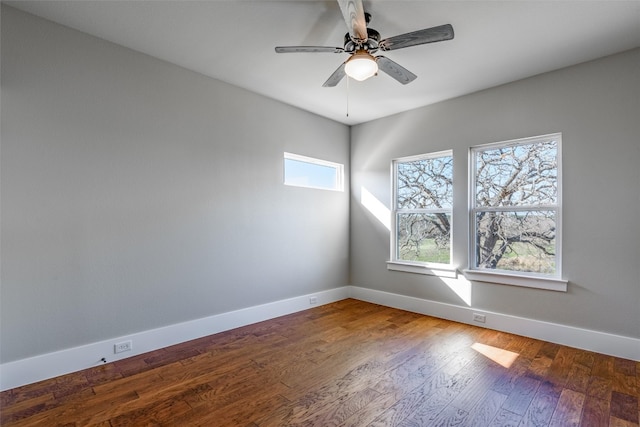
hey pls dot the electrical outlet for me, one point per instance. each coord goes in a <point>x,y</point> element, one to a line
<point>122,347</point>
<point>313,300</point>
<point>480,318</point>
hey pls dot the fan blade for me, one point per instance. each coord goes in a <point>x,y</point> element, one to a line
<point>395,70</point>
<point>314,49</point>
<point>353,13</point>
<point>429,35</point>
<point>335,78</point>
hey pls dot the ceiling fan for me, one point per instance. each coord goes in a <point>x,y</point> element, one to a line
<point>361,42</point>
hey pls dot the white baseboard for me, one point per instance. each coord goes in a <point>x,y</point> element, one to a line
<point>38,368</point>
<point>600,342</point>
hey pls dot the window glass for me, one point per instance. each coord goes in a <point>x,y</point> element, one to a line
<point>516,206</point>
<point>423,199</point>
<point>517,175</point>
<point>301,171</point>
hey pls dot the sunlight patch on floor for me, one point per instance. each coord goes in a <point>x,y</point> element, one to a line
<point>502,357</point>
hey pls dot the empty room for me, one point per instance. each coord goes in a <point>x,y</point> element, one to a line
<point>320,213</point>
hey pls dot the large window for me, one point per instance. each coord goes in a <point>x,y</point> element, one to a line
<point>422,206</point>
<point>515,207</point>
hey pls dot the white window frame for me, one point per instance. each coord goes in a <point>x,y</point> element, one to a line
<point>516,278</point>
<point>428,268</point>
<point>338,167</point>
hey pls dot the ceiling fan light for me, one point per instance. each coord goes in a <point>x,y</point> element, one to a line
<point>361,66</point>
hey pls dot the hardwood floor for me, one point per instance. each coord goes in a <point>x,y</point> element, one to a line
<point>349,363</point>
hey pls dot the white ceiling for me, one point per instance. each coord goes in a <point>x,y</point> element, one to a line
<point>495,42</point>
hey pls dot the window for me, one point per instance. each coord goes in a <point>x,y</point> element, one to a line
<point>301,171</point>
<point>422,212</point>
<point>515,208</point>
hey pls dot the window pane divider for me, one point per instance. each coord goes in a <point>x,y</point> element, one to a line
<point>515,208</point>
<point>425,210</point>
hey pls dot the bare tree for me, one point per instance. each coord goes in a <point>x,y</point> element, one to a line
<point>515,207</point>
<point>424,201</point>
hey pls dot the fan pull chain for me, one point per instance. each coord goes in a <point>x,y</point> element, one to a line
<point>348,96</point>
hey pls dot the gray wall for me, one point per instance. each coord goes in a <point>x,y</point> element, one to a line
<point>596,106</point>
<point>137,194</point>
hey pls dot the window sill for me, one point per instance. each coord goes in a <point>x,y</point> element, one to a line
<point>444,271</point>
<point>547,283</point>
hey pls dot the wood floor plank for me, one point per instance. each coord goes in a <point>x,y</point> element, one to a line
<point>600,387</point>
<point>371,411</point>
<point>521,396</point>
<point>485,409</point>
<point>539,367</point>
<point>242,412</point>
<point>617,422</point>
<point>549,350</point>
<point>28,392</point>
<point>505,418</point>
<point>154,414</point>
<point>338,411</point>
<point>603,366</point>
<point>102,374</point>
<point>568,410</point>
<point>624,383</point>
<point>409,404</point>
<point>478,388</point>
<point>348,363</point>
<point>542,406</point>
<point>25,408</point>
<point>505,383</point>
<point>438,392</point>
<point>362,377</point>
<point>578,379</point>
<point>584,358</point>
<point>560,367</point>
<point>525,347</point>
<point>624,406</point>
<point>434,409</point>
<point>595,412</point>
<point>448,417</point>
<point>624,366</point>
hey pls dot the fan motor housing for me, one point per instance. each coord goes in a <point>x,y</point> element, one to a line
<point>373,37</point>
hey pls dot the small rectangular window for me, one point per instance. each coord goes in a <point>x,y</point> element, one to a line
<point>422,209</point>
<point>302,171</point>
<point>515,207</point>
